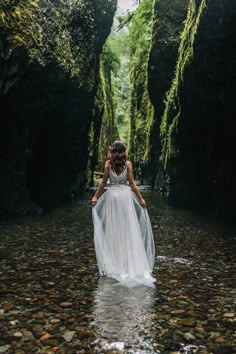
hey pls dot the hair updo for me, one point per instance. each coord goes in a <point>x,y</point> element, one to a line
<point>118,156</point>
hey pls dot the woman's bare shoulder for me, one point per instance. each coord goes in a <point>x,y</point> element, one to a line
<point>108,163</point>
<point>129,164</point>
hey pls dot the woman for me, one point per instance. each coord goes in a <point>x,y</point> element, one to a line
<point>123,235</point>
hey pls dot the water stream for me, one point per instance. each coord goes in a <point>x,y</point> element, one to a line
<point>52,299</point>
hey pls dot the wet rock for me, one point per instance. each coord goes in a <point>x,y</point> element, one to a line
<point>189,336</point>
<point>37,328</point>
<point>45,336</point>
<point>66,304</point>
<point>214,335</point>
<point>187,322</point>
<point>55,320</point>
<point>164,331</point>
<point>69,335</point>
<point>8,306</point>
<point>229,315</point>
<point>4,348</point>
<point>220,340</point>
<point>178,312</point>
<point>63,316</point>
<point>38,315</point>
<point>27,335</point>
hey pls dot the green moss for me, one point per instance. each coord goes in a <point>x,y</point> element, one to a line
<point>103,130</point>
<point>141,109</point>
<point>55,32</point>
<point>172,112</point>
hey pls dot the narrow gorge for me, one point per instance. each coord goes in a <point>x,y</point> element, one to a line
<point>61,102</point>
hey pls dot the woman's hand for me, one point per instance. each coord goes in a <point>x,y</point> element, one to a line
<point>142,203</point>
<point>94,201</point>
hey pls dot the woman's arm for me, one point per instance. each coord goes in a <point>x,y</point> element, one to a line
<point>133,184</point>
<point>102,184</point>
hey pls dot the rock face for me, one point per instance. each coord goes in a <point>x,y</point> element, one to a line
<point>103,129</point>
<point>49,59</point>
<point>192,82</point>
<point>168,18</point>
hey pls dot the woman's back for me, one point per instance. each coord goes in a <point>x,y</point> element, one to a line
<point>118,179</point>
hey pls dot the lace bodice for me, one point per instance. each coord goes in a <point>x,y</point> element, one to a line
<point>120,179</point>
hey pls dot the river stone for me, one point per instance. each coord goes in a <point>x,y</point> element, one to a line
<point>188,336</point>
<point>37,328</point>
<point>4,348</point>
<point>69,335</point>
<point>214,335</point>
<point>220,340</point>
<point>8,306</point>
<point>229,314</point>
<point>66,304</point>
<point>45,337</point>
<point>187,322</point>
<point>38,315</point>
<point>63,316</point>
<point>55,320</point>
<point>13,323</point>
<point>27,334</point>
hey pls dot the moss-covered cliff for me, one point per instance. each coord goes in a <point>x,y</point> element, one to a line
<point>168,23</point>
<point>103,129</point>
<point>141,109</point>
<point>49,55</point>
<point>192,83</point>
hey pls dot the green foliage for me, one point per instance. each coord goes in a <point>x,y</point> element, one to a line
<point>172,112</point>
<point>110,57</point>
<point>105,107</point>
<point>141,110</point>
<point>140,29</point>
<point>120,82</point>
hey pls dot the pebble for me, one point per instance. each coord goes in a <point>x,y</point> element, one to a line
<point>18,335</point>
<point>189,336</point>
<point>45,336</point>
<point>66,304</point>
<point>187,322</point>
<point>229,315</point>
<point>8,306</point>
<point>63,316</point>
<point>38,315</point>
<point>4,348</point>
<point>220,340</point>
<point>214,335</point>
<point>69,335</point>
<point>61,305</point>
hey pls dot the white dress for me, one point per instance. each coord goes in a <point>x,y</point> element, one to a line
<point>123,235</point>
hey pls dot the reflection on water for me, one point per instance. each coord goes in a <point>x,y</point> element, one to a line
<point>171,260</point>
<point>123,314</point>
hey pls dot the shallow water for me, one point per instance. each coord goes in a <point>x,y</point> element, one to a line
<point>53,300</point>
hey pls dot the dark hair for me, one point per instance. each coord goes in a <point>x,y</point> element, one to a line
<point>118,156</point>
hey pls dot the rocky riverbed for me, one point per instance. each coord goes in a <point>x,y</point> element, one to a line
<point>52,299</point>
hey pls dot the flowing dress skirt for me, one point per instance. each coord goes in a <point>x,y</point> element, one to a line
<point>123,237</point>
